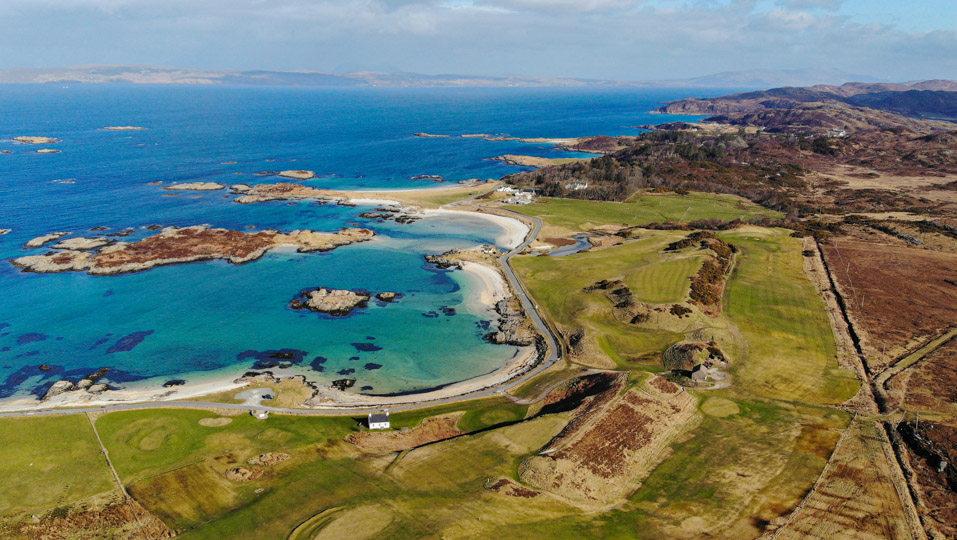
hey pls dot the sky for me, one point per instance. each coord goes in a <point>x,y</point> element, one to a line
<point>606,39</point>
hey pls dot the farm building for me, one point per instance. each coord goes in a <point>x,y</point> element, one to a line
<point>379,420</point>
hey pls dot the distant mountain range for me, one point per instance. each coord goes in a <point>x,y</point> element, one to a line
<point>170,75</point>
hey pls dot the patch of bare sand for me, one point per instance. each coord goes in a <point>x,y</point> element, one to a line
<point>215,422</point>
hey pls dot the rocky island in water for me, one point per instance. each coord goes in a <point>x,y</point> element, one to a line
<point>178,245</point>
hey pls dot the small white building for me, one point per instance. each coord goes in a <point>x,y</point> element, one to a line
<point>379,420</point>
<point>506,189</point>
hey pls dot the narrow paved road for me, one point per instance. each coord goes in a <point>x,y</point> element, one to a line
<point>554,354</point>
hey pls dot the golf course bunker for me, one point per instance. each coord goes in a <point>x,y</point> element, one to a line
<point>215,422</point>
<point>357,523</point>
<point>720,407</point>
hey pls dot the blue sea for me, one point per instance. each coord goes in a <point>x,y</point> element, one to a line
<point>214,319</point>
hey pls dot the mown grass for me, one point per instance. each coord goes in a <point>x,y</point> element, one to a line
<point>411,419</point>
<point>49,461</point>
<point>557,285</point>
<point>146,443</point>
<point>581,215</point>
<point>432,489</point>
<point>486,417</point>
<point>791,353</point>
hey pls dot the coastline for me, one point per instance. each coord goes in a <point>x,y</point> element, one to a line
<point>493,288</point>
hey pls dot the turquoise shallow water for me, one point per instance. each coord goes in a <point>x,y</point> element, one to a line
<point>215,318</point>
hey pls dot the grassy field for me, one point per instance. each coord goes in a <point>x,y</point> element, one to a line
<point>147,443</point>
<point>557,285</point>
<point>579,215</point>
<point>49,461</point>
<point>790,353</point>
<point>435,488</point>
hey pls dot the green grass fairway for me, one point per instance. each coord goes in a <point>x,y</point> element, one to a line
<point>49,461</point>
<point>486,417</point>
<point>146,443</point>
<point>435,488</point>
<point>790,353</point>
<point>579,215</point>
<point>556,283</point>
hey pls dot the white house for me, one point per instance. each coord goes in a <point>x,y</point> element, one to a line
<point>507,189</point>
<point>379,420</point>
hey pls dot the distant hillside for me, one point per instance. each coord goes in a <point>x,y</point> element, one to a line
<point>926,99</point>
<point>172,75</point>
<point>770,78</point>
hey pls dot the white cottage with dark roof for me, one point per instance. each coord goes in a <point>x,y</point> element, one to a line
<point>379,420</point>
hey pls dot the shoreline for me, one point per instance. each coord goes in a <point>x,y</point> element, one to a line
<point>493,288</point>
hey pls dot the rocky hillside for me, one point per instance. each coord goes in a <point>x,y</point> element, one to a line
<point>792,168</point>
<point>926,99</point>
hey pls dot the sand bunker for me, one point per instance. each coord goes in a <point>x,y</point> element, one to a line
<point>215,422</point>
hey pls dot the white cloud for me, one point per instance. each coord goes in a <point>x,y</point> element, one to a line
<point>622,39</point>
<point>832,5</point>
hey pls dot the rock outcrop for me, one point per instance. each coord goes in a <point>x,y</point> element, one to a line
<point>40,241</point>
<point>83,244</point>
<point>36,140</point>
<point>282,191</point>
<point>512,326</point>
<point>58,388</point>
<point>298,175</point>
<point>180,245</point>
<point>195,186</point>
<point>335,302</point>
<point>88,383</point>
